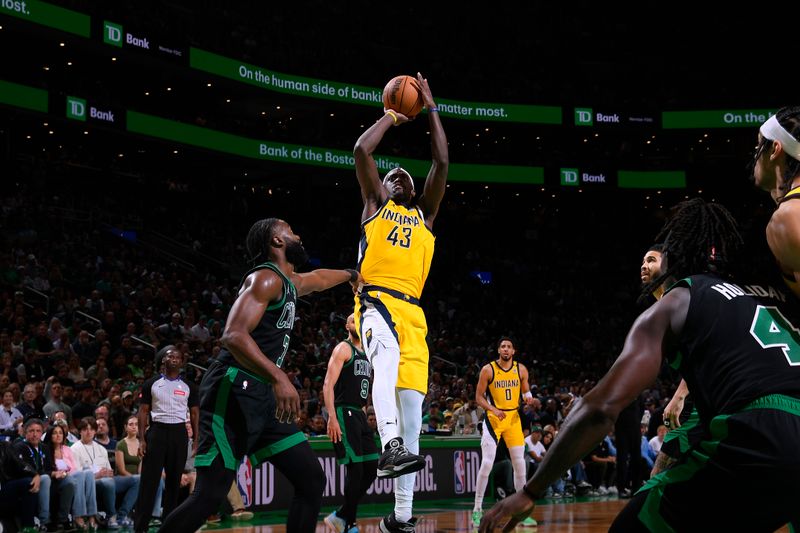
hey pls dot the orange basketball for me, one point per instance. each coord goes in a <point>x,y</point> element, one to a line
<point>401,95</point>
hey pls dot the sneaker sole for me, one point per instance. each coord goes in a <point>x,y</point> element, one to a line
<point>383,528</point>
<point>401,470</point>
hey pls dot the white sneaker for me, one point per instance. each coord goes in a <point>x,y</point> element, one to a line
<point>336,523</point>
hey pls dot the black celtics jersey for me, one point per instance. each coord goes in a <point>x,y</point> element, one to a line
<point>274,330</point>
<point>738,344</point>
<point>352,387</point>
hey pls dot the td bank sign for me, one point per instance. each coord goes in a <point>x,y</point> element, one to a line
<point>572,177</point>
<point>79,109</point>
<point>114,35</point>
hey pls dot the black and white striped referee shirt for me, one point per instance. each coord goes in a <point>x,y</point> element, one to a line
<point>169,399</point>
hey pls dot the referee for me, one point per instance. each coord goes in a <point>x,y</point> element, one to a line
<point>167,398</point>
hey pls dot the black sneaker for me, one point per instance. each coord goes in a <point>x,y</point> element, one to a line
<point>390,524</point>
<point>396,460</point>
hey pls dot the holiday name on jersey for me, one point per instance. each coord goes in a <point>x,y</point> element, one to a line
<point>731,291</point>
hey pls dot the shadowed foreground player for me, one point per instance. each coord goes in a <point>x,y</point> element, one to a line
<point>741,359</point>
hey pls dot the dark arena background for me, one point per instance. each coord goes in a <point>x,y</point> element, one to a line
<point>139,141</point>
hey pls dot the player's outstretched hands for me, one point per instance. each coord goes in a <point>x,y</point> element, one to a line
<point>507,513</point>
<point>425,91</point>
<point>401,118</point>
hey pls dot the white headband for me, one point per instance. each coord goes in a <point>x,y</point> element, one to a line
<point>773,131</point>
<point>407,174</point>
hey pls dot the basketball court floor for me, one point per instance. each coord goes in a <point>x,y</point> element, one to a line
<point>572,516</point>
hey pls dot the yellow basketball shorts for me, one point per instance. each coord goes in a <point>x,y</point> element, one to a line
<point>382,317</point>
<point>509,429</point>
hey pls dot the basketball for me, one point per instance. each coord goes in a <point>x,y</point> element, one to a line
<point>401,95</point>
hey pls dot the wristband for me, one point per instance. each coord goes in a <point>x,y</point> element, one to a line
<point>353,274</point>
<point>433,109</point>
<point>393,115</point>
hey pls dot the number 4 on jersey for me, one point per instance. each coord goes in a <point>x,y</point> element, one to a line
<point>771,329</point>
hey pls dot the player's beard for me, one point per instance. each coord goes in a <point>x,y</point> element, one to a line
<point>296,254</point>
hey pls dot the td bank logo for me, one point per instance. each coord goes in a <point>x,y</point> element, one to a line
<point>112,33</point>
<point>76,108</point>
<point>569,177</point>
<point>583,116</point>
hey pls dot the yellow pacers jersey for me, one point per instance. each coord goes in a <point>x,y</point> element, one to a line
<point>396,249</point>
<point>504,388</point>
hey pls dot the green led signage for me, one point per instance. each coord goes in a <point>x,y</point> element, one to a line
<point>23,96</point>
<point>722,118</point>
<point>359,94</point>
<point>310,155</point>
<point>47,15</point>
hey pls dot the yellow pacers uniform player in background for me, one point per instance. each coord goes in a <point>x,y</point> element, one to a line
<point>501,385</point>
<point>395,255</point>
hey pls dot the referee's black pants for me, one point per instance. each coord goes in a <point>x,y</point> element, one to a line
<point>167,447</point>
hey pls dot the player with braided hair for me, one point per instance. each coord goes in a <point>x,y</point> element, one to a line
<point>739,354</point>
<point>248,405</point>
<point>697,225</point>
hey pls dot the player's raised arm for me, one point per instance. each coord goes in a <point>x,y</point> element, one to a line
<point>373,192</point>
<point>436,181</point>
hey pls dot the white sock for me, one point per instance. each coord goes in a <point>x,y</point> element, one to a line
<point>488,451</point>
<point>410,425</point>
<point>517,454</point>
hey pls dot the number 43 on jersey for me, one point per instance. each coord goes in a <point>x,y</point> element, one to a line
<point>404,241</point>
